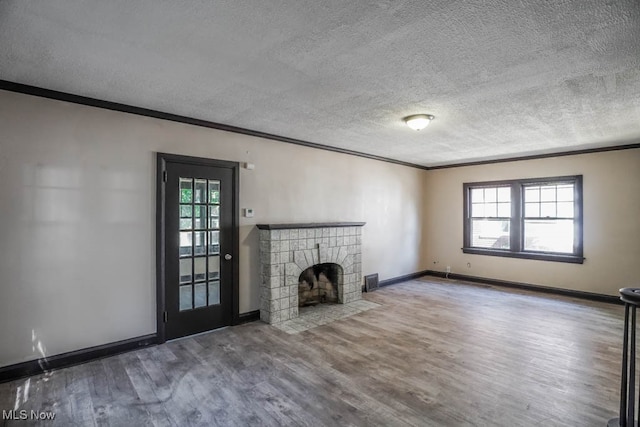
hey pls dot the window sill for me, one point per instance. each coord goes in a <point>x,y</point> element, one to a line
<point>540,256</point>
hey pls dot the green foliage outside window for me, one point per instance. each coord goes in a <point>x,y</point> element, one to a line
<point>186,195</point>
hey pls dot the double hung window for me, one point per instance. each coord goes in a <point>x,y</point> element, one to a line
<point>528,218</point>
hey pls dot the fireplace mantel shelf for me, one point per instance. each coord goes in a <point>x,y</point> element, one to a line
<point>309,225</point>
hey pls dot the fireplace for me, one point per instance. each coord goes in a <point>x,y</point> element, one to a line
<point>307,264</point>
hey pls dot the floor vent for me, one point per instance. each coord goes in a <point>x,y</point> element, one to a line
<point>371,282</point>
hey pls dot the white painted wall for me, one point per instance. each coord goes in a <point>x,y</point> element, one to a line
<point>77,203</point>
<point>611,193</point>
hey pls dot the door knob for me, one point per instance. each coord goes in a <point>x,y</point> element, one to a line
<point>228,257</point>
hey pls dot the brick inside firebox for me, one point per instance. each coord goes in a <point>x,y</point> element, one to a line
<point>319,284</point>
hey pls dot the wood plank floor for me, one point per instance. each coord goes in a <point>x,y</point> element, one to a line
<point>435,353</point>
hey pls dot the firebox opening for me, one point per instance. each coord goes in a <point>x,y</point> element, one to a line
<point>319,284</point>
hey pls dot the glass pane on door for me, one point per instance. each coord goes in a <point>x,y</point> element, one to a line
<point>186,190</point>
<point>214,217</point>
<point>214,245</point>
<point>200,268</point>
<point>214,267</point>
<point>199,243</point>
<point>200,193</point>
<point>185,270</point>
<point>214,192</point>
<point>186,302</point>
<point>200,217</point>
<point>214,293</point>
<point>186,246</point>
<point>200,298</point>
<point>185,217</point>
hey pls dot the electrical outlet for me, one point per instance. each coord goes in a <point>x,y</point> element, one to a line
<point>448,269</point>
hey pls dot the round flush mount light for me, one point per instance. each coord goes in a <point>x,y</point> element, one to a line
<point>418,121</point>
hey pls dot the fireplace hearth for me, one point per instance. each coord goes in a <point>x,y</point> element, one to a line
<point>308,264</point>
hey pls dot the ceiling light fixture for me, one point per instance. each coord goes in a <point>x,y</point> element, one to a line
<point>418,121</point>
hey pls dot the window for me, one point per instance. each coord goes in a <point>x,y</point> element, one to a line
<point>529,218</point>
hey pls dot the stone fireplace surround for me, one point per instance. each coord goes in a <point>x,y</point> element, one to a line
<point>286,250</point>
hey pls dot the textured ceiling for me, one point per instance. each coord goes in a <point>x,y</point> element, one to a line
<point>503,78</point>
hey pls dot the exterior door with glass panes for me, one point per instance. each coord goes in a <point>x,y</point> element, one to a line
<point>198,250</point>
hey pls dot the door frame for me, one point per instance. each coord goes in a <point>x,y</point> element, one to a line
<point>161,162</point>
